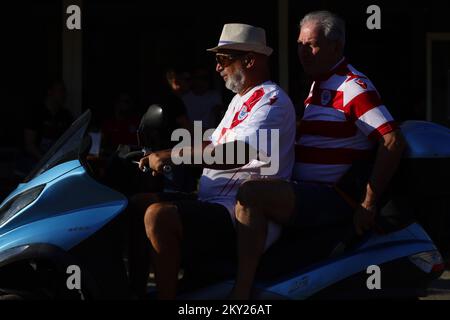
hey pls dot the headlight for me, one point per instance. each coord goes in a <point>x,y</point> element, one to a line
<point>13,206</point>
<point>8,253</point>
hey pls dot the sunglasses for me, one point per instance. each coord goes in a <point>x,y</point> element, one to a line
<point>225,60</point>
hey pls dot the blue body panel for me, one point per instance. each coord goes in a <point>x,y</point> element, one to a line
<point>71,207</point>
<point>44,178</point>
<point>64,231</point>
<point>376,250</point>
<point>426,139</point>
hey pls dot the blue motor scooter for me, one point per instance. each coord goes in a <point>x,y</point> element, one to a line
<point>60,237</point>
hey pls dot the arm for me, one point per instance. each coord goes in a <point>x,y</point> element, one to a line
<point>387,159</point>
<point>243,154</point>
<point>267,116</point>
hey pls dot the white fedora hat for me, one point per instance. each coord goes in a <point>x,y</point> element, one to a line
<point>243,37</point>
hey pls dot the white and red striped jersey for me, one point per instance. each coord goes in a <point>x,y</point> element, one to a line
<point>265,106</point>
<point>343,118</point>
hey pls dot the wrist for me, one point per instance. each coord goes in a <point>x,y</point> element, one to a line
<point>370,198</point>
<point>369,206</point>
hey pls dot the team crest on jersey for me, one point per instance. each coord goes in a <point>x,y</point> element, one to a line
<point>361,83</point>
<point>325,97</point>
<point>243,113</point>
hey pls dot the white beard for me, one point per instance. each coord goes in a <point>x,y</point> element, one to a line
<point>235,82</point>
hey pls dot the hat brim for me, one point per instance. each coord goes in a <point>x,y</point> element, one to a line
<point>243,47</point>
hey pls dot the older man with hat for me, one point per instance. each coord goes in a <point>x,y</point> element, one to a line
<point>176,224</point>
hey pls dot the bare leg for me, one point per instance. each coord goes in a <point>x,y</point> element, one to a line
<point>139,248</point>
<point>164,230</point>
<point>258,201</point>
<point>252,234</point>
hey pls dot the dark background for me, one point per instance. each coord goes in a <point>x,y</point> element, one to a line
<point>127,45</point>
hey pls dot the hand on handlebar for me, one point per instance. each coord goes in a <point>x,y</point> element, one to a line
<point>156,161</point>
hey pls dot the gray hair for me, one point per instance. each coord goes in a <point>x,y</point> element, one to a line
<point>332,26</point>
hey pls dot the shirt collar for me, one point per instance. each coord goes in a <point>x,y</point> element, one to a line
<point>252,90</point>
<point>340,67</point>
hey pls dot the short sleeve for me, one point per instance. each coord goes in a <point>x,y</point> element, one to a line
<point>365,107</point>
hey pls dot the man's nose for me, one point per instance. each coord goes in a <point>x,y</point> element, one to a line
<point>219,68</point>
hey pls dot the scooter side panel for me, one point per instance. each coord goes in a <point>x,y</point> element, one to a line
<point>426,139</point>
<point>71,192</point>
<point>413,231</point>
<point>324,275</point>
<point>65,230</point>
<point>44,178</point>
<point>71,207</point>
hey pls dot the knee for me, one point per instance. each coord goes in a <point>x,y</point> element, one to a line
<point>273,198</point>
<point>161,218</point>
<point>241,212</point>
<point>248,206</point>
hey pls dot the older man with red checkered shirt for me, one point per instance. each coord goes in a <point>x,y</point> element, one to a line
<point>344,120</point>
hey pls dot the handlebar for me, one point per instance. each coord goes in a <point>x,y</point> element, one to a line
<point>167,169</point>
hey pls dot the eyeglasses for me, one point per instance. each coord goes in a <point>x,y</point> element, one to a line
<point>225,60</point>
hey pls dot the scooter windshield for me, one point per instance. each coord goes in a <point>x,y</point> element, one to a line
<point>66,148</point>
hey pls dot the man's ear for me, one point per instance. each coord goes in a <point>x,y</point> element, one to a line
<point>248,61</point>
